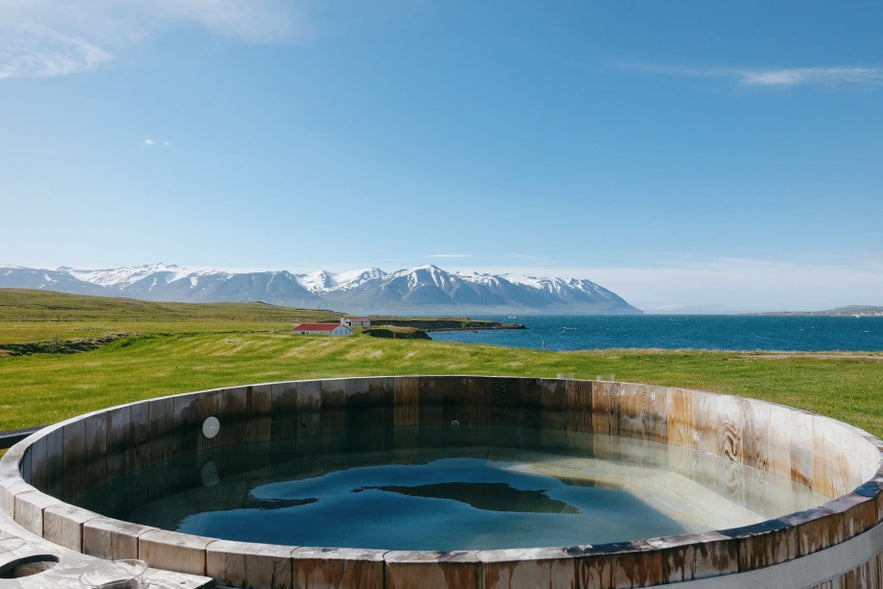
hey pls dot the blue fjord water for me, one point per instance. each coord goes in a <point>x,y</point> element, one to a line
<point>707,332</point>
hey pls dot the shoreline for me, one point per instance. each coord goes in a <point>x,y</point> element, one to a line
<point>477,328</point>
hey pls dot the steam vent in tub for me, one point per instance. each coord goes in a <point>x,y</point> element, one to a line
<point>448,481</point>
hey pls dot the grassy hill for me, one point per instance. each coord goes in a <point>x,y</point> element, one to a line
<point>178,348</point>
<point>37,315</point>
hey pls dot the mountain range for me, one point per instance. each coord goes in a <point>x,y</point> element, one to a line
<point>423,290</point>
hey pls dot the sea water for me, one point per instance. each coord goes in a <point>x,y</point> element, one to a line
<point>709,332</point>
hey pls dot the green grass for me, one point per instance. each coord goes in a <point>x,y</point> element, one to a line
<point>36,315</point>
<point>45,388</point>
<point>207,346</point>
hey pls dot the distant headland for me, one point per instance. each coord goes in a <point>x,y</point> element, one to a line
<point>848,311</point>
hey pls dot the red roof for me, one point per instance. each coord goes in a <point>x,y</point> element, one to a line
<point>316,326</point>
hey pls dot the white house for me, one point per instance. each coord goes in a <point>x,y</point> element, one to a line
<point>357,321</point>
<point>322,329</point>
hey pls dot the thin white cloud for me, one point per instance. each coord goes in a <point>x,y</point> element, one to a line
<point>829,76</point>
<point>449,256</point>
<point>30,49</point>
<point>770,77</point>
<point>150,142</point>
<point>45,38</point>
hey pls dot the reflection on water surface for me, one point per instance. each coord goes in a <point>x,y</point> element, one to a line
<point>487,496</point>
<point>448,489</point>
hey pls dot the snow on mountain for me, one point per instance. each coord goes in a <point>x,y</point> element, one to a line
<point>561,286</point>
<point>424,289</point>
<point>324,281</point>
<point>522,279</point>
<point>423,275</point>
<point>355,278</point>
<point>118,277</point>
<point>320,281</point>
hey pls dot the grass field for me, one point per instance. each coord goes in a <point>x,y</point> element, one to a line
<point>219,345</point>
<point>35,315</point>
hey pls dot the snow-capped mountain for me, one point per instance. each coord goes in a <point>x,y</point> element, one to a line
<point>423,290</point>
<point>324,281</point>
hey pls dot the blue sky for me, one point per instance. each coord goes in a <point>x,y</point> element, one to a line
<point>689,155</point>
